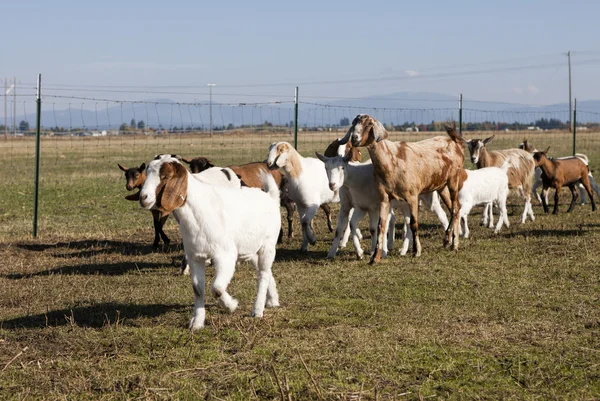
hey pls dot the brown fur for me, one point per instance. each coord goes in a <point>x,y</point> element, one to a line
<point>171,192</point>
<point>559,173</point>
<point>294,165</point>
<point>405,170</point>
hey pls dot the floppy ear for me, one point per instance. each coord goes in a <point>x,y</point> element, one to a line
<point>175,191</point>
<point>209,164</point>
<point>122,167</point>
<point>142,167</point>
<point>133,197</point>
<point>188,161</point>
<point>321,157</point>
<point>488,140</point>
<point>356,154</point>
<point>378,130</point>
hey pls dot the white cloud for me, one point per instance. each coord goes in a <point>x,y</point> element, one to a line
<point>412,73</point>
<point>518,91</point>
<point>531,88</point>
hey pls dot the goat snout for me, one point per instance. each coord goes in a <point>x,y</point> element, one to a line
<point>332,186</point>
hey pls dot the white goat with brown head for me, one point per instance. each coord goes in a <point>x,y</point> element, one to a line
<point>308,185</point>
<point>404,170</point>
<point>224,224</point>
<point>520,173</point>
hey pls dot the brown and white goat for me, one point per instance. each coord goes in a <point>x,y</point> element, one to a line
<point>559,173</point>
<point>136,176</point>
<point>404,170</point>
<point>520,174</point>
<point>250,175</point>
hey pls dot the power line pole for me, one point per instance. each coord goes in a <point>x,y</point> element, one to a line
<point>5,108</point>
<point>570,98</point>
<point>210,86</point>
<point>15,106</point>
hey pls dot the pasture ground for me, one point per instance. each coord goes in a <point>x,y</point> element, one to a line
<point>90,311</point>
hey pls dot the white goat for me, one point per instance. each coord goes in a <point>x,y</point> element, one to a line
<point>358,190</point>
<point>485,186</point>
<point>224,224</point>
<point>308,185</point>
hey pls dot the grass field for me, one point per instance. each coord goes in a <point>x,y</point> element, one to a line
<point>89,311</point>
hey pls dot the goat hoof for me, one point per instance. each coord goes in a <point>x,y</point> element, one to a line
<point>272,304</point>
<point>195,324</point>
<point>256,314</point>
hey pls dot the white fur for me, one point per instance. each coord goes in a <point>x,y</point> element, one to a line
<point>359,192</point>
<point>226,225</point>
<point>484,186</point>
<point>309,188</point>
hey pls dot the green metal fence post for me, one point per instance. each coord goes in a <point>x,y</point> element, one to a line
<point>296,119</point>
<point>575,127</point>
<point>37,154</point>
<point>460,114</point>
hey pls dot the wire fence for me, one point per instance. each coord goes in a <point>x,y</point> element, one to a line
<point>83,139</point>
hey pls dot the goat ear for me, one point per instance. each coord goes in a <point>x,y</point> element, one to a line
<point>122,167</point>
<point>175,191</point>
<point>488,140</point>
<point>188,161</point>
<point>142,167</point>
<point>348,156</point>
<point>378,130</point>
<point>321,157</point>
<point>209,164</point>
<point>545,152</point>
<point>133,197</point>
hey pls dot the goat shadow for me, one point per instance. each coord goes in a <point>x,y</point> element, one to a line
<point>287,255</point>
<point>95,316</point>
<point>104,269</point>
<point>100,247</point>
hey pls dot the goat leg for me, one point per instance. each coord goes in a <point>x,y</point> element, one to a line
<point>545,199</point>
<point>327,211</point>
<point>556,195</point>
<point>574,196</point>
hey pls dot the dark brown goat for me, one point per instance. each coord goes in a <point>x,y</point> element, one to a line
<point>559,173</point>
<point>136,176</point>
<point>333,149</point>
<point>199,164</point>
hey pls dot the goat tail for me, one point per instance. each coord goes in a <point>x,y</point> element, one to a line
<point>269,185</point>
<point>450,128</point>
<point>583,158</point>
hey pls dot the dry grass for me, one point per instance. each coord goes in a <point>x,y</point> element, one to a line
<point>89,311</point>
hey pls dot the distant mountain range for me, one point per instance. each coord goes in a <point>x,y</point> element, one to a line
<point>397,108</point>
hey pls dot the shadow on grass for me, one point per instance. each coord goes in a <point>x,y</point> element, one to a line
<point>285,255</point>
<point>90,316</point>
<point>90,248</point>
<point>540,233</point>
<point>104,269</point>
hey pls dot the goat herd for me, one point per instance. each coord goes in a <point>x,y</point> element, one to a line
<point>233,213</point>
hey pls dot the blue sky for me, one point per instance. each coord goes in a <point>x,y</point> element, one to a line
<point>426,46</point>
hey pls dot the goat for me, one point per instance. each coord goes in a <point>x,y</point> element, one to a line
<point>308,185</point>
<point>250,174</point>
<point>224,224</point>
<point>520,174</point>
<point>538,174</point>
<point>485,186</point>
<point>404,170</point>
<point>136,176</point>
<point>359,192</point>
<point>559,173</point>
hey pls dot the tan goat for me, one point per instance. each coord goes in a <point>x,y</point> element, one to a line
<point>559,173</point>
<point>404,170</point>
<point>521,171</point>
